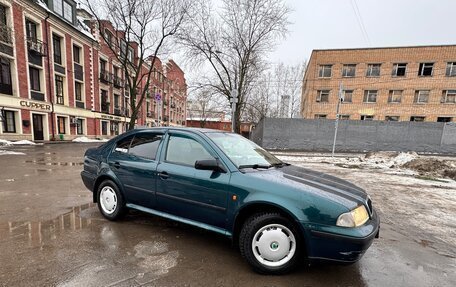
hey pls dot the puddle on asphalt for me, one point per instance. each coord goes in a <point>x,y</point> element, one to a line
<point>43,162</point>
<point>35,232</point>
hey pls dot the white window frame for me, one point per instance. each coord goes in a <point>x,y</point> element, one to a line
<point>320,92</point>
<point>395,94</point>
<point>322,69</point>
<point>425,65</point>
<point>452,69</point>
<point>445,96</point>
<point>419,92</point>
<point>348,67</point>
<point>370,69</point>
<point>396,67</point>
<point>344,95</point>
<point>367,93</point>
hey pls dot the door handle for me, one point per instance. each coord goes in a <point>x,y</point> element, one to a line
<point>163,175</point>
<point>116,164</point>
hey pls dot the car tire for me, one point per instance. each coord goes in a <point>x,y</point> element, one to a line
<point>270,243</point>
<point>110,201</point>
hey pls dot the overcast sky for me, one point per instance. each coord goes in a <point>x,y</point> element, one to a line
<point>321,24</point>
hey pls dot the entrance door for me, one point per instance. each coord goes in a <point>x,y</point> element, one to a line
<point>38,134</point>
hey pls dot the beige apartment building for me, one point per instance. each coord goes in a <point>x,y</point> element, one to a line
<point>393,84</point>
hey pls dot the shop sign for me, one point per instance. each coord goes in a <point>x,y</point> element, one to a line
<point>111,118</point>
<point>36,106</point>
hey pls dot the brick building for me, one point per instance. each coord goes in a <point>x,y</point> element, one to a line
<point>392,84</point>
<point>59,79</point>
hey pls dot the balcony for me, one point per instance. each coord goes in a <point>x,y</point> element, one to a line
<point>36,46</point>
<point>105,107</point>
<point>117,111</point>
<point>118,82</point>
<point>105,77</point>
<point>6,34</point>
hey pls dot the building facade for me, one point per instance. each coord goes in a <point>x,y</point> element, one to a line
<point>59,79</point>
<point>392,84</point>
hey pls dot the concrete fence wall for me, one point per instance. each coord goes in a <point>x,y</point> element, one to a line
<point>356,136</point>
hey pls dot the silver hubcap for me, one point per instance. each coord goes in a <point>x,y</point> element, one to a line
<point>274,245</point>
<point>108,199</point>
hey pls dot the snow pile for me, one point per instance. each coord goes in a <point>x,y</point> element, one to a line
<point>87,140</point>
<point>8,152</point>
<point>388,159</point>
<point>21,142</point>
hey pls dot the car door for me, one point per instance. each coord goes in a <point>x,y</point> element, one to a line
<point>133,161</point>
<point>184,191</point>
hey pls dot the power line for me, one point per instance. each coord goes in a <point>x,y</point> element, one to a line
<point>360,21</point>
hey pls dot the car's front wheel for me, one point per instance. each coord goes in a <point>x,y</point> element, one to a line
<point>270,243</point>
<point>110,200</point>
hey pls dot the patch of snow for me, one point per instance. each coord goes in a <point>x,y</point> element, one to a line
<point>8,152</point>
<point>21,142</point>
<point>87,140</point>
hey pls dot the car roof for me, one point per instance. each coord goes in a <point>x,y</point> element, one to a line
<point>202,130</point>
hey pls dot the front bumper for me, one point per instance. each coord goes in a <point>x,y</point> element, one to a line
<point>339,244</point>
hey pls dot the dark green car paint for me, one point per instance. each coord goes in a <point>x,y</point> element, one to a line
<point>204,198</point>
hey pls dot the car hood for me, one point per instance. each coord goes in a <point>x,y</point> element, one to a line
<point>314,182</point>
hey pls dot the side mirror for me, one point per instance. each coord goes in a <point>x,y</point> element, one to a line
<point>210,164</point>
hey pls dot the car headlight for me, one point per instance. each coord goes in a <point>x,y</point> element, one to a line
<point>354,218</point>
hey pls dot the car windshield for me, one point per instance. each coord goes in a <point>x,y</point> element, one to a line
<point>242,152</point>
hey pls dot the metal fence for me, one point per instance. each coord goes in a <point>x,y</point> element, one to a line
<point>356,136</point>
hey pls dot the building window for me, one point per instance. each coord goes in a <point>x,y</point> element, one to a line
<point>395,96</point>
<point>373,70</point>
<point>399,70</point>
<point>80,126</point>
<point>417,119</point>
<point>102,66</point>
<point>370,96</point>
<point>56,41</point>
<point>323,96</point>
<point>104,101</point>
<point>123,48</point>
<point>78,91</point>
<point>61,125</point>
<point>347,96</point>
<point>67,11</point>
<point>426,69</point>
<point>367,118</point>
<point>422,97</point>
<point>5,78</point>
<point>104,128</point>
<point>34,79</point>
<point>76,54</point>
<point>116,101</point>
<point>324,71</point>
<point>349,70</point>
<point>59,90</point>
<point>392,118</point>
<point>444,119</point>
<point>449,97</point>
<point>108,36</point>
<point>9,121</point>
<point>451,69</point>
<point>344,117</point>
<point>58,7</point>
<point>130,54</point>
<point>3,15</point>
<point>318,116</point>
<point>30,28</point>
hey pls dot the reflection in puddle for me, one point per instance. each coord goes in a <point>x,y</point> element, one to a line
<point>43,162</point>
<point>37,231</point>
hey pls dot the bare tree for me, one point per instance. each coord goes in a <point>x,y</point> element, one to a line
<point>234,41</point>
<point>204,105</point>
<point>267,96</point>
<point>145,25</point>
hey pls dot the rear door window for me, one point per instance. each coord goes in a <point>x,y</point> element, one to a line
<point>145,145</point>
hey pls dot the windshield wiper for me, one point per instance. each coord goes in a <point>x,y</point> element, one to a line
<point>280,164</point>
<point>255,166</point>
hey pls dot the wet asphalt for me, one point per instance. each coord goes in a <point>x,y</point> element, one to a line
<point>52,235</point>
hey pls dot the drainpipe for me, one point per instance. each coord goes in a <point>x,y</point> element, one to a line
<point>46,26</point>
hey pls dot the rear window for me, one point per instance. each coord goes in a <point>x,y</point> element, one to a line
<point>145,145</point>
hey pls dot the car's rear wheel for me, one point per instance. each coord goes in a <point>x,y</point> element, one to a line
<point>110,200</point>
<point>270,243</point>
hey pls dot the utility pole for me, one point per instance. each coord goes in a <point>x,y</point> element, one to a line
<point>340,98</point>
<point>233,101</point>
